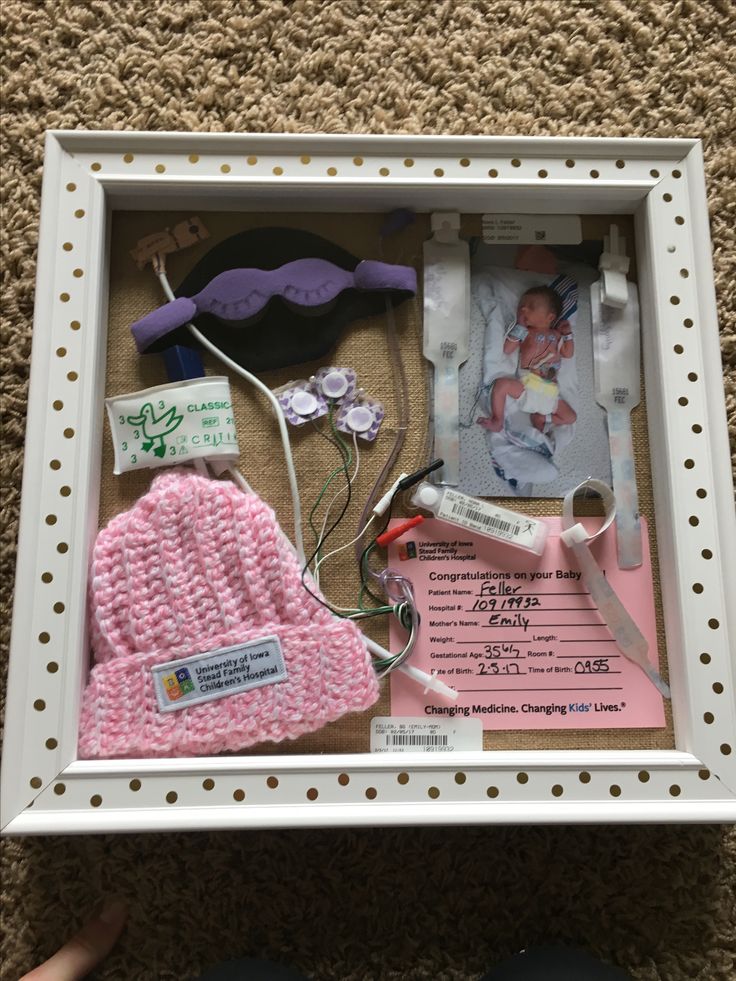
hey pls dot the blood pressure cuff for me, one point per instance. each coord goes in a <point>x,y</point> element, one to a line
<point>273,297</point>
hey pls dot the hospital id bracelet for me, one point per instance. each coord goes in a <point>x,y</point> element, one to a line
<point>481,516</point>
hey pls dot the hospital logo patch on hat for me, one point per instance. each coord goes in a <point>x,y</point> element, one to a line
<point>217,674</point>
<point>178,684</point>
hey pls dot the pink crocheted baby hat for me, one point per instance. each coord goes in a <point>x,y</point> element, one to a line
<point>204,638</point>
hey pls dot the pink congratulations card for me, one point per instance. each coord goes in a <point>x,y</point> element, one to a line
<point>518,635</point>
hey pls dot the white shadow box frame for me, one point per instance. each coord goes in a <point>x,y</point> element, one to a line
<point>87,175</point>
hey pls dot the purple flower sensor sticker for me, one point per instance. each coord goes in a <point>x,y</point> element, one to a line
<point>363,416</point>
<point>302,402</point>
<point>336,384</point>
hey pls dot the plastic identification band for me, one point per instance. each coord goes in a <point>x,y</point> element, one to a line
<point>614,265</point>
<point>616,371</point>
<point>531,229</point>
<point>481,516</point>
<point>625,632</point>
<point>446,332</point>
<point>173,424</point>
<point>409,734</point>
<point>227,671</point>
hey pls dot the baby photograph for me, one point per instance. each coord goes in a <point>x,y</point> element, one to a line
<point>530,425</point>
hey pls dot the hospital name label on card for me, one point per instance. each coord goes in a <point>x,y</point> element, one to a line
<point>216,674</point>
<point>392,734</point>
<point>532,229</point>
<point>173,424</point>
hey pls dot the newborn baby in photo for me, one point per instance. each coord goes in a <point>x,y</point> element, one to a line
<point>542,342</point>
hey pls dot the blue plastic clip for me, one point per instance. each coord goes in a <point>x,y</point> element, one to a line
<point>182,363</point>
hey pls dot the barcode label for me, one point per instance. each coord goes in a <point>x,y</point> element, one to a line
<point>400,739</point>
<point>393,734</point>
<point>487,518</point>
<point>490,521</point>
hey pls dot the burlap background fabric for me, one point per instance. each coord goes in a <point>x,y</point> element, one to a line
<point>433,903</point>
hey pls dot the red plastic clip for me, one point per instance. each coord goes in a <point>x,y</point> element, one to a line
<point>393,533</point>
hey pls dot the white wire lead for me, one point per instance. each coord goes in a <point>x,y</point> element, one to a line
<point>335,551</point>
<point>257,383</point>
<point>341,490</point>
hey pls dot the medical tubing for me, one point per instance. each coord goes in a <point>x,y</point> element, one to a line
<point>428,448</point>
<point>401,390</point>
<point>257,383</point>
<point>338,470</point>
<point>342,448</point>
<point>407,593</point>
<point>335,551</point>
<point>354,455</point>
<point>404,483</point>
<point>240,480</point>
<point>326,535</point>
<point>364,568</point>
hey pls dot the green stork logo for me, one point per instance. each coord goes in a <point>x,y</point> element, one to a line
<point>154,428</point>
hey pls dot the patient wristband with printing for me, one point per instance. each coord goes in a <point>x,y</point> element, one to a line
<point>625,632</point>
<point>173,424</point>
<point>483,517</point>
<point>446,342</point>
<point>517,332</point>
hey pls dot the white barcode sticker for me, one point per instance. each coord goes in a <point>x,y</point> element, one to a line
<point>488,518</point>
<point>394,734</point>
<point>532,229</point>
<point>506,529</point>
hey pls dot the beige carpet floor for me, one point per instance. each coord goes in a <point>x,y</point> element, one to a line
<point>366,904</point>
